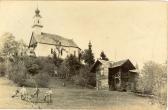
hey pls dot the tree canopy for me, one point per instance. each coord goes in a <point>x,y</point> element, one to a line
<point>153,75</point>
<point>88,55</point>
<point>11,47</point>
<point>103,56</point>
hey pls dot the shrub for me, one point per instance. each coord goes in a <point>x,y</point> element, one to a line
<point>17,72</point>
<point>33,69</point>
<point>153,80</point>
<point>79,80</point>
<point>63,71</point>
<point>85,78</point>
<point>37,65</point>
<point>2,69</point>
<point>73,64</point>
<point>42,79</point>
<point>57,61</point>
<point>29,83</point>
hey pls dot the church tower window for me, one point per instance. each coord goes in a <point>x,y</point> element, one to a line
<point>37,26</point>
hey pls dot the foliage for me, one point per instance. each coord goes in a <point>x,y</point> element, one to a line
<point>63,70</point>
<point>57,61</point>
<point>42,79</point>
<point>31,64</point>
<point>103,56</point>
<point>73,64</point>
<point>2,66</point>
<point>153,79</point>
<point>30,71</point>
<point>88,55</point>
<point>16,72</point>
<point>11,47</point>
<point>33,69</point>
<point>153,73</point>
<point>85,78</point>
<point>40,69</point>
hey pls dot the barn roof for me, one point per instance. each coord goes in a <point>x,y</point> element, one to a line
<point>116,64</point>
<point>52,39</point>
<point>99,61</point>
<point>122,63</point>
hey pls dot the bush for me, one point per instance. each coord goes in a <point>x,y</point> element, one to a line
<point>69,67</point>
<point>16,72</point>
<point>73,64</point>
<point>41,69</point>
<point>2,69</point>
<point>42,79</point>
<point>153,80</point>
<point>30,71</point>
<point>37,65</point>
<point>63,71</point>
<point>79,80</point>
<point>29,83</point>
<point>57,61</point>
<point>85,78</point>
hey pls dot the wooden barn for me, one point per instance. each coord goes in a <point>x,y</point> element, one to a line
<point>120,75</point>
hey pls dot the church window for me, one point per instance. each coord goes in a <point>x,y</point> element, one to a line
<point>38,21</point>
<point>74,53</point>
<point>61,51</point>
<point>51,51</point>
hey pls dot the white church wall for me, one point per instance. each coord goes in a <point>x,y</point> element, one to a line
<point>45,50</point>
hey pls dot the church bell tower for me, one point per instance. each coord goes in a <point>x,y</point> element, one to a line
<point>37,26</point>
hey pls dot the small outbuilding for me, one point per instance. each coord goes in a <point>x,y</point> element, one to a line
<point>120,75</point>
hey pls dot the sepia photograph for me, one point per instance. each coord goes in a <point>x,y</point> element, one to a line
<point>87,55</point>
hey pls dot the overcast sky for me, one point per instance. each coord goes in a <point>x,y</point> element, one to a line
<point>134,30</point>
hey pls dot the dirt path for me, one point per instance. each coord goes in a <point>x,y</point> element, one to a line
<point>77,98</point>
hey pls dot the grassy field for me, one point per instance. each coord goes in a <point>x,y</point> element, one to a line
<point>71,98</point>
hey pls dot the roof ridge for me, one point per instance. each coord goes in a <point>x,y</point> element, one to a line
<point>54,39</point>
<point>56,35</point>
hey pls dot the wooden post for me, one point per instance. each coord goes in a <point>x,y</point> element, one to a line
<point>97,81</point>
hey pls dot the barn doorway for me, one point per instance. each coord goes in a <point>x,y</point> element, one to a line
<point>112,80</point>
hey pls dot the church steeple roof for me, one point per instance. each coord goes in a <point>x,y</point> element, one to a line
<point>37,13</point>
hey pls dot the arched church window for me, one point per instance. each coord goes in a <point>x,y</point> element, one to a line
<point>74,53</point>
<point>51,51</point>
<point>62,51</point>
<point>38,21</point>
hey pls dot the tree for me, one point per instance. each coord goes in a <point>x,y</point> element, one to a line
<point>88,55</point>
<point>10,47</point>
<point>153,74</point>
<point>16,71</point>
<point>73,64</point>
<point>103,56</point>
<point>57,61</point>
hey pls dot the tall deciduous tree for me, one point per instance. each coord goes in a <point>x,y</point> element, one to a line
<point>153,76</point>
<point>88,55</point>
<point>10,47</point>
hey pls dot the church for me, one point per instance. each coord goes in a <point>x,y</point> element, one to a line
<point>46,44</point>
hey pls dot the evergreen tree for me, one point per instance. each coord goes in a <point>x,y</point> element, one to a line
<point>88,55</point>
<point>103,56</point>
<point>73,64</point>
